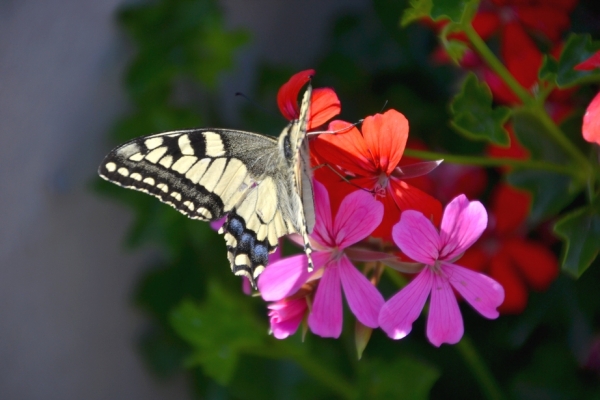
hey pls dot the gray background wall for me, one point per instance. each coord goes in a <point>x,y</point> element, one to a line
<point>67,328</point>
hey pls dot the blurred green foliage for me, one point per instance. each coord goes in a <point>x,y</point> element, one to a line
<point>198,319</point>
<point>474,116</point>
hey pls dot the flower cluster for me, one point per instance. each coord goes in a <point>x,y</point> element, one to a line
<point>528,35</point>
<point>366,211</point>
<point>378,211</point>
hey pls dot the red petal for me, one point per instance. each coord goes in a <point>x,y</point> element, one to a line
<point>287,97</point>
<point>514,150</point>
<point>552,21</point>
<point>522,60</point>
<point>536,263</point>
<point>475,258</point>
<point>408,197</point>
<point>591,121</point>
<point>324,106</point>
<point>454,179</point>
<point>424,182</point>
<point>589,64</point>
<point>559,111</point>
<point>515,292</point>
<point>509,209</point>
<point>486,23</point>
<point>501,92</point>
<point>346,149</point>
<point>337,187</point>
<point>385,136</point>
<point>391,216</point>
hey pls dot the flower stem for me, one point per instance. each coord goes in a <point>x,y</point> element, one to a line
<point>493,162</point>
<point>490,58</point>
<point>320,372</point>
<point>526,98</point>
<point>481,372</point>
<point>560,138</point>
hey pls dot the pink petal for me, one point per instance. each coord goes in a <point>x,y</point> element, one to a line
<point>246,286</point>
<point>359,214</point>
<point>482,292</point>
<point>462,224</point>
<point>284,277</point>
<point>363,298</point>
<point>444,324</point>
<point>323,220</point>
<point>325,318</point>
<point>591,121</point>
<point>218,223</point>
<point>399,313</point>
<point>285,316</point>
<point>416,236</point>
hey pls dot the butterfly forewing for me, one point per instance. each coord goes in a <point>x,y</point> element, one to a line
<point>209,173</point>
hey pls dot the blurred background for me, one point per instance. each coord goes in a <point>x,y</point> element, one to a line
<point>68,328</point>
<point>82,316</point>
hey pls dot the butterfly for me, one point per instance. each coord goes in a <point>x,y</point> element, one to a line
<point>261,184</point>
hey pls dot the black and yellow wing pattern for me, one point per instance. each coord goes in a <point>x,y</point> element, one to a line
<point>262,184</point>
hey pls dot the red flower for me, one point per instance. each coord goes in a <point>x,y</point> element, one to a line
<point>513,21</point>
<point>517,263</point>
<point>370,160</point>
<point>514,151</point>
<point>591,118</point>
<point>448,180</point>
<point>324,102</point>
<point>547,17</point>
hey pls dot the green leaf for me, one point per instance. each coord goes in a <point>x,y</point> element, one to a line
<point>405,378</point>
<point>578,48</point>
<point>550,372</point>
<point>551,192</point>
<point>417,10</point>
<point>533,135</point>
<point>474,116</point>
<point>580,231</point>
<point>218,331</point>
<point>456,49</point>
<point>549,69</point>
<point>362,335</point>
<point>455,10</point>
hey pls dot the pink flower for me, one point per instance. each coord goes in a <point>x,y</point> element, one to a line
<point>591,121</point>
<point>358,215</point>
<point>286,315</point>
<point>462,224</point>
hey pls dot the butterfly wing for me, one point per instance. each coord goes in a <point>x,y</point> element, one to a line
<point>263,185</point>
<point>196,171</point>
<point>206,174</point>
<point>302,174</point>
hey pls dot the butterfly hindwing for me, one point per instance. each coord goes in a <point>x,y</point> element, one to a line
<point>258,182</point>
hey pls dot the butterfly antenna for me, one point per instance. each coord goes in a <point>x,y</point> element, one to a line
<point>384,106</point>
<point>255,104</point>
<point>342,177</point>
<point>342,130</point>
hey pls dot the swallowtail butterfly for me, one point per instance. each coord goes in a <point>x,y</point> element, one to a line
<point>262,184</point>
